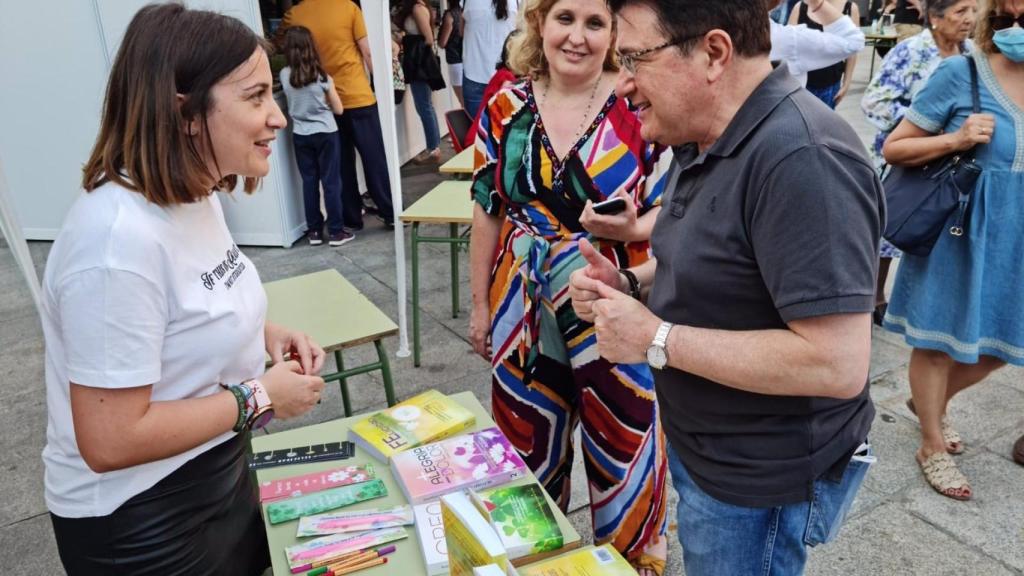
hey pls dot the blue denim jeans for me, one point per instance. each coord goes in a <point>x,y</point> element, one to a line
<point>318,157</point>
<point>472,95</point>
<point>423,98</point>
<point>721,539</point>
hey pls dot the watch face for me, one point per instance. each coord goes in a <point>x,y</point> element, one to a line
<point>261,419</point>
<point>656,356</point>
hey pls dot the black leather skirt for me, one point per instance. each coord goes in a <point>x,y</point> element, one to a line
<point>204,518</point>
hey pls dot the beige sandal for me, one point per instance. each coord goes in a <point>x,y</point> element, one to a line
<point>954,443</point>
<point>945,477</point>
<point>651,562</point>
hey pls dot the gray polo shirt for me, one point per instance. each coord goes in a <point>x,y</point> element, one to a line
<point>777,221</point>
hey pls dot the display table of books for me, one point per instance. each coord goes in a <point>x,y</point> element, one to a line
<point>361,494</point>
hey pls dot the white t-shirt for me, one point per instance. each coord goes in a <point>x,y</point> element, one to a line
<point>484,37</point>
<point>804,49</point>
<point>134,295</point>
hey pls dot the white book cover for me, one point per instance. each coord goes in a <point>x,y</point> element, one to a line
<point>430,529</point>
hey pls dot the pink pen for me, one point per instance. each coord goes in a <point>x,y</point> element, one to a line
<point>380,552</point>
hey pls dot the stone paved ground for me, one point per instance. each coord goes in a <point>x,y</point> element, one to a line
<point>897,526</point>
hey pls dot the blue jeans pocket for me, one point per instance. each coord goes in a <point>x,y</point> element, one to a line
<point>832,500</point>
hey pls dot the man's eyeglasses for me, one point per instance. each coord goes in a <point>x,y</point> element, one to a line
<point>629,60</point>
<point>1004,21</point>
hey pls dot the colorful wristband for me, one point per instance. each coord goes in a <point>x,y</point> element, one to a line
<point>246,404</point>
<point>240,399</point>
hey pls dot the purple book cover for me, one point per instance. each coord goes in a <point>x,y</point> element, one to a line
<point>468,461</point>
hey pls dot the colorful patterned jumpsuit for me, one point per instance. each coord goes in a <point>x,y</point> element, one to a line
<point>547,375</point>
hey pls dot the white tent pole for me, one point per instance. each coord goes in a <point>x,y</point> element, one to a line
<point>11,231</point>
<point>379,31</point>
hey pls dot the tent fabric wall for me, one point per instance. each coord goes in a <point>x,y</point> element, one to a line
<point>12,234</point>
<point>378,28</point>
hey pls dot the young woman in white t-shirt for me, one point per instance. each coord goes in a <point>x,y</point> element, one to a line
<point>155,322</point>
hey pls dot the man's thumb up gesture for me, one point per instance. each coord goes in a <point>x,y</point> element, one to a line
<point>584,283</point>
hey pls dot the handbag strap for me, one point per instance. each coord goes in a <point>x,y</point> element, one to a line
<point>975,100</point>
<point>975,97</point>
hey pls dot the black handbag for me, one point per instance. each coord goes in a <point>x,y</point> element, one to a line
<point>420,63</point>
<point>920,199</point>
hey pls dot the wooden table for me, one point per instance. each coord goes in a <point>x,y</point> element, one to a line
<point>337,316</point>
<point>877,39</point>
<point>460,165</point>
<point>447,203</point>
<point>407,559</point>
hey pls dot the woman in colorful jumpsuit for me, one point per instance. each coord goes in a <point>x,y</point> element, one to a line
<point>547,149</point>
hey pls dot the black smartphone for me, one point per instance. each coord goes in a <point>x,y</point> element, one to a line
<point>611,206</point>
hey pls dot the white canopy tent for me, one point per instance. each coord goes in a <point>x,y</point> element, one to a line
<point>378,28</point>
<point>12,233</point>
<point>111,18</point>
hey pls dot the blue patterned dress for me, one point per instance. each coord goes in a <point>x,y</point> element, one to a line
<point>967,297</point>
<point>904,72</point>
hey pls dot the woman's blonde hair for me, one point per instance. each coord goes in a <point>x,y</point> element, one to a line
<point>983,28</point>
<point>526,48</point>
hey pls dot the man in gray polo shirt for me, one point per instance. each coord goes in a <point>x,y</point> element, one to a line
<point>759,296</point>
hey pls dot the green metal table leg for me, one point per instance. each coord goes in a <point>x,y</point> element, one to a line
<point>416,294</point>
<point>453,230</point>
<point>343,383</point>
<point>385,372</point>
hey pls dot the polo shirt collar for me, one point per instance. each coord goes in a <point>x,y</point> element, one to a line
<point>765,98</point>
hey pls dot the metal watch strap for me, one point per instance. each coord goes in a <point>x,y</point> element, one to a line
<point>661,336</point>
<point>633,281</point>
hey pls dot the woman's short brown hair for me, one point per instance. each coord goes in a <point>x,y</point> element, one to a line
<point>143,143</point>
<point>983,28</point>
<point>526,48</point>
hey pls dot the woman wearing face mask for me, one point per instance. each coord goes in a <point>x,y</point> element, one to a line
<point>547,149</point>
<point>962,307</point>
<point>155,322</point>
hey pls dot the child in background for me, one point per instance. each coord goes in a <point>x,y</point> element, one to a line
<point>312,103</point>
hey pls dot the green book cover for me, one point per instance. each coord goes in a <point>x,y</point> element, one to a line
<point>285,510</point>
<point>522,518</point>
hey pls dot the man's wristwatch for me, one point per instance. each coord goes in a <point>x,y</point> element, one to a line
<point>263,412</point>
<point>657,354</point>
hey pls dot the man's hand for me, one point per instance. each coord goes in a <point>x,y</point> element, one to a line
<point>916,5</point>
<point>624,326</point>
<point>583,282</point>
<point>281,341</point>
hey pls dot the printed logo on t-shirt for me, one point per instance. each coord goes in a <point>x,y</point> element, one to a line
<point>232,266</point>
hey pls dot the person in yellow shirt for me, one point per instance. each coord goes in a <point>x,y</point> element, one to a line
<point>339,33</point>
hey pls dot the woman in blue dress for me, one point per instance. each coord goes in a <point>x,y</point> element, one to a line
<point>962,307</point>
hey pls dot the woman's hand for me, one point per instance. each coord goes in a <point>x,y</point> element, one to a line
<point>480,330</point>
<point>291,392</point>
<point>584,283</point>
<point>282,342</point>
<point>621,226</point>
<point>977,129</point>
